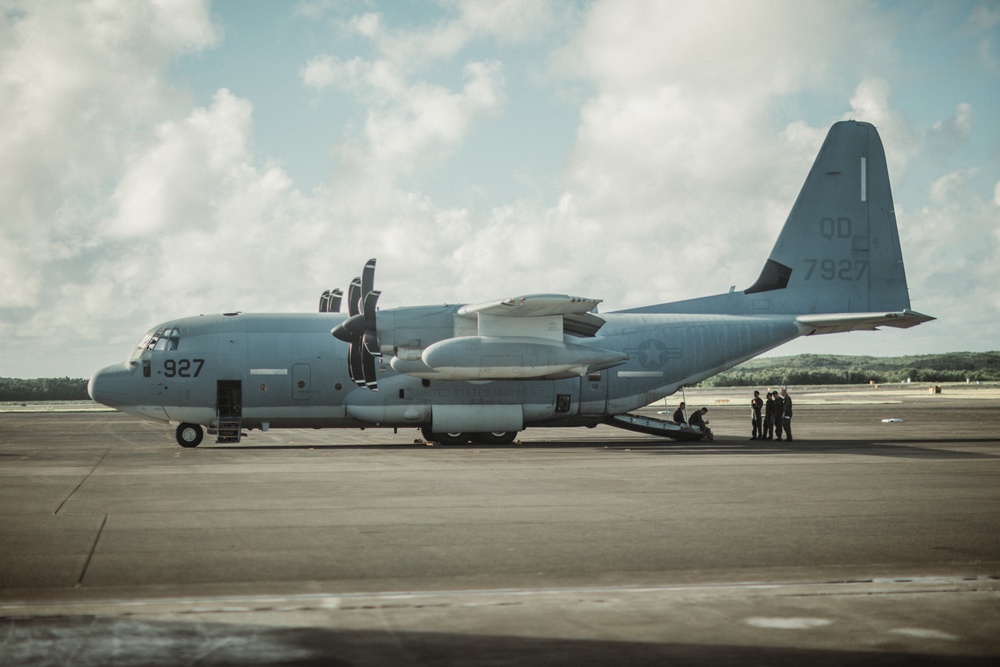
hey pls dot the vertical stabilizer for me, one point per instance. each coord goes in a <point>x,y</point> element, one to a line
<point>838,252</point>
<point>839,249</point>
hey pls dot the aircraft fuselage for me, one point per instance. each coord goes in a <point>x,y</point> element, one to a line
<point>291,373</point>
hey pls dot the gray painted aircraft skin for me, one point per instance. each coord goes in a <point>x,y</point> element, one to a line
<point>487,371</point>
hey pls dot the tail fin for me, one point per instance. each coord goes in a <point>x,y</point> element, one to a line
<point>839,249</point>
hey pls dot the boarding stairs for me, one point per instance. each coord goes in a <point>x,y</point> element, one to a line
<point>655,426</point>
<point>230,429</point>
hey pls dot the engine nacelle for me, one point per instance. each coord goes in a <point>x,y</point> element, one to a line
<point>418,327</point>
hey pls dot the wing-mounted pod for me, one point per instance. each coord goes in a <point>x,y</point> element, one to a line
<point>515,358</point>
<point>523,338</point>
<point>360,329</point>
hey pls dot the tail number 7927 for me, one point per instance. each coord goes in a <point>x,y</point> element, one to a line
<point>830,269</point>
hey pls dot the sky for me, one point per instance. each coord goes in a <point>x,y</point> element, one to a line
<point>176,157</point>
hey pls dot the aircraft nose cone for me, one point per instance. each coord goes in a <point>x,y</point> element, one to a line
<point>111,386</point>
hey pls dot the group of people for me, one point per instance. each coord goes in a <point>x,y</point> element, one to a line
<point>777,418</point>
<point>775,421</point>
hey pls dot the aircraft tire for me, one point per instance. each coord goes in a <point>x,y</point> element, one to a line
<point>445,438</point>
<point>189,435</point>
<point>495,438</point>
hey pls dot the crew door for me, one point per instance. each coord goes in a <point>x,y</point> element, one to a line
<point>229,398</point>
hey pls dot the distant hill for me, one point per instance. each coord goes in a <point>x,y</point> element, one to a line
<point>842,369</point>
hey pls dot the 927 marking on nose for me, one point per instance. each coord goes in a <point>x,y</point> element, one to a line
<point>182,367</point>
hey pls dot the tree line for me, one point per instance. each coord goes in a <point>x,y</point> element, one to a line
<point>845,369</point>
<point>43,389</point>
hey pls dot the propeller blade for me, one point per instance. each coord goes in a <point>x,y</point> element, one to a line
<point>368,368</point>
<point>324,302</point>
<point>356,365</point>
<point>368,278</point>
<point>354,297</point>
<point>371,343</point>
<point>333,306</point>
<point>350,366</point>
<point>369,306</point>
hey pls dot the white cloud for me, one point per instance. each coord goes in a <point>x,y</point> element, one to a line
<point>320,72</point>
<point>763,47</point>
<point>947,136</point>
<point>77,81</point>
<point>404,120</point>
<point>170,184</point>
<point>982,23</point>
<point>871,101</point>
<point>950,246</point>
<point>505,20</point>
<point>951,186</point>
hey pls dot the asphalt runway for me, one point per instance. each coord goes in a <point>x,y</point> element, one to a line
<point>862,541</point>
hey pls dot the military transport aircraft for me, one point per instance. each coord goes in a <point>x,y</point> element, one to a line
<point>485,371</point>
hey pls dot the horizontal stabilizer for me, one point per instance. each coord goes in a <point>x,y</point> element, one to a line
<point>839,323</point>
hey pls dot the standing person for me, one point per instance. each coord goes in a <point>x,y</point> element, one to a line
<point>679,417</point>
<point>779,415</point>
<point>769,418</point>
<point>756,432</point>
<point>787,403</point>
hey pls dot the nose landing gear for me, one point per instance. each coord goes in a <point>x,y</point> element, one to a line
<point>189,435</point>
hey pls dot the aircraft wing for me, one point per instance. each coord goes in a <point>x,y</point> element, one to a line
<point>520,338</point>
<point>840,322</point>
<point>576,313</point>
<point>532,305</point>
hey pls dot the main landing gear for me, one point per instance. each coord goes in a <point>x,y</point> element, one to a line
<point>497,438</point>
<point>189,435</point>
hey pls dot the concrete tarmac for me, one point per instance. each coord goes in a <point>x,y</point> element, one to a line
<point>861,541</point>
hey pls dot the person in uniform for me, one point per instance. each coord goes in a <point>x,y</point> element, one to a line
<point>769,417</point>
<point>756,432</point>
<point>679,414</point>
<point>786,401</point>
<point>779,414</point>
<point>697,418</point>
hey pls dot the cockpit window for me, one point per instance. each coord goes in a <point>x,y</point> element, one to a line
<point>164,339</point>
